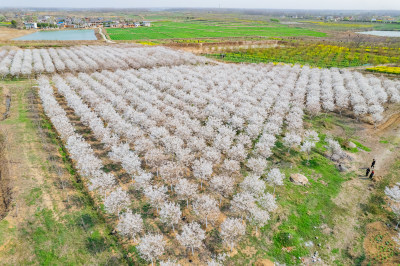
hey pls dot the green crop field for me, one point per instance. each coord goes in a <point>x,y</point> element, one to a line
<point>211,29</point>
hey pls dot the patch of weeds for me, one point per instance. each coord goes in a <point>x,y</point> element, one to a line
<point>5,230</point>
<point>335,251</point>
<point>33,196</point>
<point>325,121</point>
<point>136,257</point>
<point>96,243</point>
<point>361,146</point>
<point>73,239</point>
<point>359,261</point>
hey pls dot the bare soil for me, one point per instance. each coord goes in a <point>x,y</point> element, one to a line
<point>7,33</point>
<point>201,48</point>
<point>378,244</point>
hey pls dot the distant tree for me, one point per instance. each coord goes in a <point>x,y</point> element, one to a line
<point>275,177</point>
<point>257,165</point>
<point>202,169</point>
<point>130,224</point>
<point>223,185</point>
<point>267,202</point>
<point>291,140</point>
<point>206,208</point>
<point>192,236</point>
<point>151,247</point>
<point>170,214</point>
<point>116,201</point>
<point>259,217</point>
<point>393,193</point>
<point>242,203</point>
<point>156,194</point>
<point>231,231</point>
<point>142,180</point>
<point>307,147</point>
<point>186,190</point>
<point>253,184</point>
<point>14,23</point>
<point>335,149</point>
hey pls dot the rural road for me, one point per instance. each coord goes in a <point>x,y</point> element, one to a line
<point>104,37</point>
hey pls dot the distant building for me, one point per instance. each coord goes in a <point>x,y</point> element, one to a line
<point>146,23</point>
<point>30,25</point>
<point>136,24</point>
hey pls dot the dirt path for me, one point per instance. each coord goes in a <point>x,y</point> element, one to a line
<point>104,37</point>
<point>356,192</point>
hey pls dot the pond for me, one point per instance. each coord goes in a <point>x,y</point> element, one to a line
<point>59,35</point>
<point>382,33</point>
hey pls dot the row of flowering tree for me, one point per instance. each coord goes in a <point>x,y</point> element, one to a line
<point>26,62</point>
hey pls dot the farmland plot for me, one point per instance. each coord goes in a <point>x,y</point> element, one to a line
<point>181,137</point>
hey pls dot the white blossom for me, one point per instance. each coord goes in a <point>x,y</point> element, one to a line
<point>192,236</point>
<point>151,247</point>
<point>206,208</point>
<point>232,230</point>
<point>130,224</point>
<point>170,214</point>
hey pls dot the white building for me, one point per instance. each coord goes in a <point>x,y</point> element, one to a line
<point>30,25</point>
<point>146,23</point>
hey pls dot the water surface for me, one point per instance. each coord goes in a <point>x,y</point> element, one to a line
<point>59,35</point>
<point>382,33</point>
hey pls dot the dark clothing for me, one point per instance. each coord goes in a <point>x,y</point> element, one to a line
<point>371,175</point>
<point>368,170</point>
<point>373,163</point>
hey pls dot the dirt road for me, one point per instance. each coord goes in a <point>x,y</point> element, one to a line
<point>355,193</point>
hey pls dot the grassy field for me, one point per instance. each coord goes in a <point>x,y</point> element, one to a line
<point>320,55</point>
<point>208,29</point>
<point>297,229</point>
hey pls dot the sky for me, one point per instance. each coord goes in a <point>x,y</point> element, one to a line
<point>267,4</point>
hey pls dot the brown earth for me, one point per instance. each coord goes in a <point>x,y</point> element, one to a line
<point>199,48</point>
<point>264,262</point>
<point>7,33</point>
<point>379,244</point>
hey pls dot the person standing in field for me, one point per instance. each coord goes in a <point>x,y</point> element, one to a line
<point>371,175</point>
<point>373,163</point>
<point>368,170</point>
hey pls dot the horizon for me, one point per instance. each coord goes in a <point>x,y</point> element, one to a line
<point>196,8</point>
<point>339,5</point>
